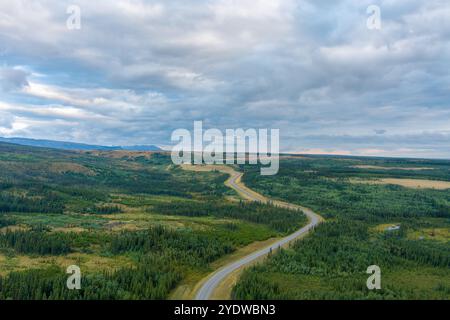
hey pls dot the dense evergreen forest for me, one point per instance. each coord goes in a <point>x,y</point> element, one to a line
<point>135,224</point>
<point>163,259</point>
<point>37,242</point>
<point>152,278</point>
<point>279,219</point>
<point>332,262</point>
<point>17,203</point>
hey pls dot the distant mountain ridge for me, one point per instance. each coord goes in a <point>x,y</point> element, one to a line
<point>75,146</point>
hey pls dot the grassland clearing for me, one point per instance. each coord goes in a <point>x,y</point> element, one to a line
<point>409,183</point>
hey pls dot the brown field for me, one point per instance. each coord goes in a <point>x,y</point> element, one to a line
<point>409,183</point>
<point>208,168</point>
<point>437,234</point>
<point>382,227</point>
<point>65,167</point>
<point>88,262</point>
<point>14,228</point>
<point>120,154</point>
<point>69,229</point>
<point>391,168</point>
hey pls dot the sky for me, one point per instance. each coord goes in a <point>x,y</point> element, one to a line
<point>137,70</point>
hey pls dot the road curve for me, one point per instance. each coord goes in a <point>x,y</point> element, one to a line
<point>207,289</point>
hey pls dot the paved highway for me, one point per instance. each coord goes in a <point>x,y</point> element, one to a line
<point>207,289</point>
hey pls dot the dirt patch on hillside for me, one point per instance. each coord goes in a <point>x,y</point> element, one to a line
<point>391,168</point>
<point>69,229</point>
<point>437,234</point>
<point>208,168</point>
<point>14,228</point>
<point>121,154</point>
<point>409,183</point>
<point>67,167</point>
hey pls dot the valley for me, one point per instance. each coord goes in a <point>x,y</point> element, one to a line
<point>140,227</point>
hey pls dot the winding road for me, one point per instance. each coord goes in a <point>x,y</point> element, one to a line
<point>206,290</point>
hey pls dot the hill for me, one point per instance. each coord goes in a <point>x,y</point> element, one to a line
<point>75,146</point>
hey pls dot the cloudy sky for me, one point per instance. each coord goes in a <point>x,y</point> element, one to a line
<point>137,70</point>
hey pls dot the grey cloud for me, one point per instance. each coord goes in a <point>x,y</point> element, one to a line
<point>310,68</point>
<point>12,79</point>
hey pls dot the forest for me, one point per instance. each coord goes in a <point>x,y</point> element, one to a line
<point>164,256</point>
<point>332,262</point>
<point>136,225</point>
<point>139,227</point>
<point>279,219</point>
